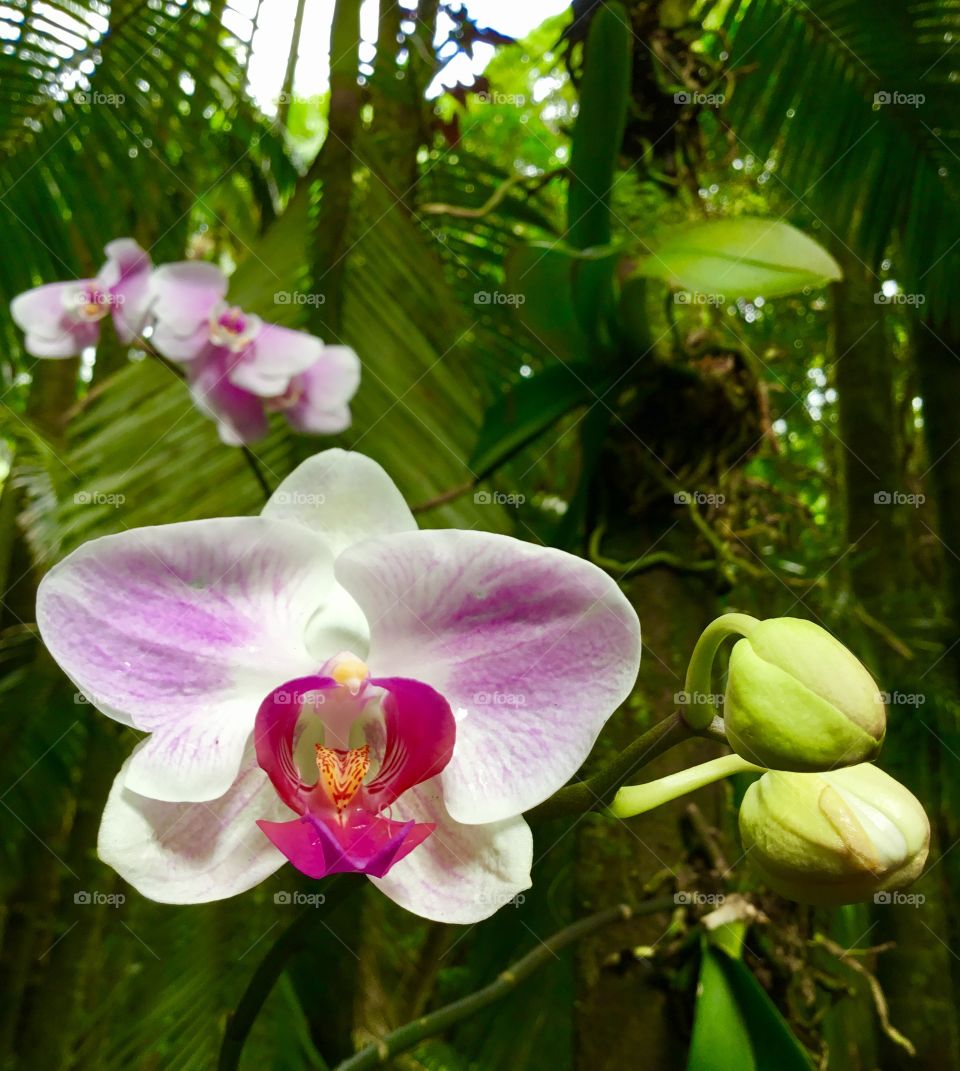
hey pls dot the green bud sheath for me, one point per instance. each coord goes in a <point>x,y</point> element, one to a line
<point>797,699</point>
<point>834,838</point>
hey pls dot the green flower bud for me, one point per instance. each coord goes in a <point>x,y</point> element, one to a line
<point>836,837</point>
<point>797,699</point>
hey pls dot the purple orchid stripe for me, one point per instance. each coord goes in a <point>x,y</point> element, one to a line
<point>533,647</point>
<point>180,631</point>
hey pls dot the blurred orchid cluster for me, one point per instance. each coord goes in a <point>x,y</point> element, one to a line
<point>238,367</point>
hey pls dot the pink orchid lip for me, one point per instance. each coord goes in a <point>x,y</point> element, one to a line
<point>232,328</point>
<point>343,826</point>
<point>89,302</point>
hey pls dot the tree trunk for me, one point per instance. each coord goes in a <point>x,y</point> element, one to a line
<point>916,973</point>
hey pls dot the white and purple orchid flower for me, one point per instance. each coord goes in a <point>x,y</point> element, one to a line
<point>327,685</point>
<point>63,319</point>
<point>239,367</point>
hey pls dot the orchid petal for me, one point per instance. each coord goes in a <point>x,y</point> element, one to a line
<point>127,276</point>
<point>419,740</point>
<point>273,358</point>
<point>191,853</point>
<point>461,873</point>
<point>181,630</point>
<point>50,330</point>
<point>182,297</point>
<point>240,415</point>
<point>324,391</point>
<point>346,497</point>
<point>533,648</point>
<point>319,846</point>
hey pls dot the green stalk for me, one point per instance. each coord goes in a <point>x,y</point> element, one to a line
<point>637,799</point>
<point>700,711</point>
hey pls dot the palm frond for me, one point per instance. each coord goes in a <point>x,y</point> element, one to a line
<point>855,107</point>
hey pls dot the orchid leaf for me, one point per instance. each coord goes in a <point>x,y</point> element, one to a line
<point>736,1024</point>
<point>740,258</point>
<point>526,410</point>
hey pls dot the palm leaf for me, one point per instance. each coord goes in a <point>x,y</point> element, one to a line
<point>856,105</point>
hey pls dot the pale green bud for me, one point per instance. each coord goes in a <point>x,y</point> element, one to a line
<point>836,837</point>
<point>797,699</point>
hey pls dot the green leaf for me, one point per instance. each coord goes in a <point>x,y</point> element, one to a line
<point>721,1038</point>
<point>604,93</point>
<point>736,1024</point>
<point>550,279</point>
<point>604,96</point>
<point>527,410</point>
<point>743,257</point>
<point>543,276</point>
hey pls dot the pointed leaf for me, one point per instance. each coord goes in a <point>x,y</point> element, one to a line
<point>743,257</point>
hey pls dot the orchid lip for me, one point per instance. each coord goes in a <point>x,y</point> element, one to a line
<point>88,303</point>
<point>232,328</point>
<point>343,821</point>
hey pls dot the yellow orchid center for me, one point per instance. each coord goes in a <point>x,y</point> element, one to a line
<point>342,772</point>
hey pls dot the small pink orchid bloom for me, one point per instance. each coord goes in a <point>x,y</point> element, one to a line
<point>63,319</point>
<point>238,367</point>
<point>327,685</point>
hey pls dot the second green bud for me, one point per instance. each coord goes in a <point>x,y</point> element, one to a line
<point>797,699</point>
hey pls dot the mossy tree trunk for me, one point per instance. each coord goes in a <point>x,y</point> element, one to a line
<point>916,973</point>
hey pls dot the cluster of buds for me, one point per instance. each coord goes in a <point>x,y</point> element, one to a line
<point>822,825</point>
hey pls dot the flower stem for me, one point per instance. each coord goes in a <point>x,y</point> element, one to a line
<point>405,1037</point>
<point>257,472</point>
<point>700,710</point>
<point>269,970</point>
<point>596,791</point>
<point>636,799</point>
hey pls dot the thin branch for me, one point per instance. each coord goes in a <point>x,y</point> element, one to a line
<point>257,472</point>
<point>444,497</point>
<point>879,1000</point>
<point>286,96</point>
<point>495,198</point>
<point>405,1037</point>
